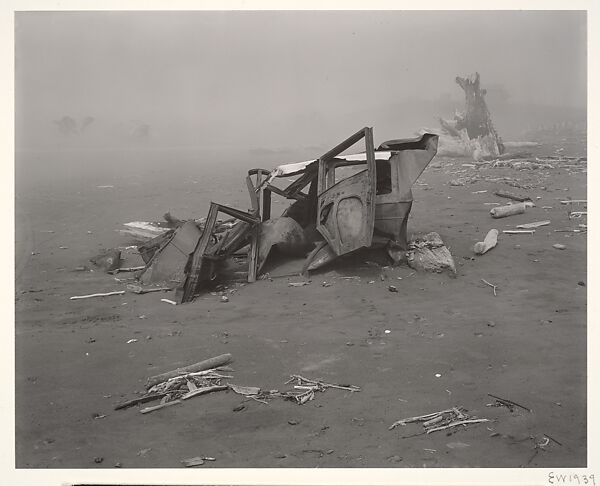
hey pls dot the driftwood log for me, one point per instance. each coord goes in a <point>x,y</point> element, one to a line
<point>510,210</point>
<point>207,364</point>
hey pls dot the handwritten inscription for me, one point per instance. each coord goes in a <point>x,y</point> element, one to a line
<point>559,478</point>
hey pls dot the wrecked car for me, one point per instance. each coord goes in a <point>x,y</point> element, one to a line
<point>341,203</point>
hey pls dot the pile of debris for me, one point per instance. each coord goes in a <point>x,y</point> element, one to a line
<point>174,387</point>
<point>443,420</point>
<point>308,388</point>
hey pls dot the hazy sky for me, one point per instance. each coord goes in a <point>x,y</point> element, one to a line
<point>253,75</point>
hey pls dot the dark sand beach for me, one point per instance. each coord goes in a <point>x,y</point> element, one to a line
<point>450,340</point>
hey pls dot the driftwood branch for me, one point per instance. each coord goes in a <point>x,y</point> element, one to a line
<point>456,424</point>
<point>106,294</point>
<point>536,224</point>
<point>494,287</point>
<point>508,402</point>
<point>420,418</point>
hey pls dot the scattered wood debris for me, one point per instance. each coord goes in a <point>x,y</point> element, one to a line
<point>245,390</point>
<point>308,388</point>
<point>175,390</point>
<point>174,387</point>
<point>207,364</point>
<point>445,419</point>
<point>522,164</point>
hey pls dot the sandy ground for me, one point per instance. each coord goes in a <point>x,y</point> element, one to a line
<point>450,340</point>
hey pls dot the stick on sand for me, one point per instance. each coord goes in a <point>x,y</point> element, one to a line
<point>106,294</point>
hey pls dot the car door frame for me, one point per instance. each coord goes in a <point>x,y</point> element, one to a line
<point>327,186</point>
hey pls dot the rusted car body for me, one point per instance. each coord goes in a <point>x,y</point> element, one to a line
<point>366,208</point>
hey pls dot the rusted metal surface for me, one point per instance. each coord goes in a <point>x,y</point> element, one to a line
<point>346,209</point>
<point>283,233</point>
<point>167,265</point>
<point>405,166</point>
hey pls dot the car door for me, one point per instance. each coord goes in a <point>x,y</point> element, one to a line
<point>346,207</point>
